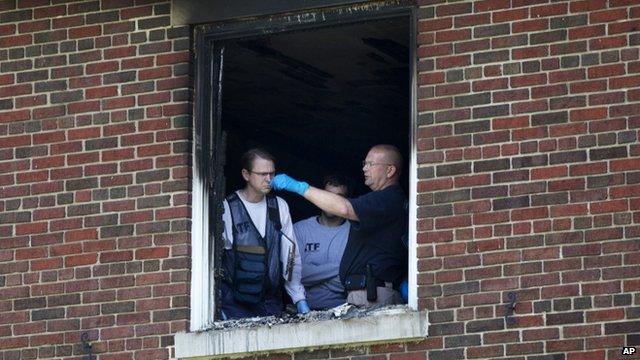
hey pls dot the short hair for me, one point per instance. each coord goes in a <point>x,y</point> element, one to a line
<point>250,155</point>
<point>339,180</point>
<point>392,154</point>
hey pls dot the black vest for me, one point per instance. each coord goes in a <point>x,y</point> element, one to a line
<point>253,265</point>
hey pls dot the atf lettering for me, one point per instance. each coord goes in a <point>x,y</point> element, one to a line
<point>242,227</point>
<point>311,247</point>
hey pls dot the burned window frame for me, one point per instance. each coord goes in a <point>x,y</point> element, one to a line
<point>209,140</point>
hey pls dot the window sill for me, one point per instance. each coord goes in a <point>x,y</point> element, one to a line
<point>383,325</point>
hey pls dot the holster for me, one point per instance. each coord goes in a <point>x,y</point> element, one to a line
<point>372,291</point>
<point>367,282</point>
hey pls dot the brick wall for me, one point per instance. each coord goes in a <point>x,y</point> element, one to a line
<point>529,180</point>
<point>94,178</point>
<point>530,177</point>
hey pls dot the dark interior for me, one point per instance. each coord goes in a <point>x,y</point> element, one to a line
<point>317,99</point>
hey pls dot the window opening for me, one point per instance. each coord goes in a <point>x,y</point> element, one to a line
<point>316,98</point>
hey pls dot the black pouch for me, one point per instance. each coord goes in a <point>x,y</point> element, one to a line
<point>355,282</point>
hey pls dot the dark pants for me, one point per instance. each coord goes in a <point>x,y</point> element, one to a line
<point>272,305</point>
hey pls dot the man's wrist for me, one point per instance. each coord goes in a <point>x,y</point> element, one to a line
<point>302,188</point>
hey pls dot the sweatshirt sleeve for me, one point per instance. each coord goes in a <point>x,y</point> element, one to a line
<point>227,233</point>
<point>294,287</point>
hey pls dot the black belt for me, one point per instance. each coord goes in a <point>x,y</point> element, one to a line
<point>359,282</point>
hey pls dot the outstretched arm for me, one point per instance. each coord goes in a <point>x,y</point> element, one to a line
<point>331,203</point>
<point>325,200</point>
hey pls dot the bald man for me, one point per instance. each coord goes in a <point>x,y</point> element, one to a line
<point>375,259</point>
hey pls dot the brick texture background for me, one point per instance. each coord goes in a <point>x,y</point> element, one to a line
<point>529,180</point>
<point>94,178</point>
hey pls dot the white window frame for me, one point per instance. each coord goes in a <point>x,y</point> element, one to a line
<point>395,324</point>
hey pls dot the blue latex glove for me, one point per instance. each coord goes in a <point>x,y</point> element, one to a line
<point>404,290</point>
<point>303,307</point>
<point>286,182</point>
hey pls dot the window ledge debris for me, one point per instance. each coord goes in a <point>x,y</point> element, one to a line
<point>345,325</point>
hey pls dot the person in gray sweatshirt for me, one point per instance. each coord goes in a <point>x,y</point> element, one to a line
<point>321,241</point>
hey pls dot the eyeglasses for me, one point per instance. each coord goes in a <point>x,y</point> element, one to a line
<point>264,174</point>
<point>368,164</point>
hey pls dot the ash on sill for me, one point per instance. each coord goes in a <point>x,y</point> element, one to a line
<point>289,316</point>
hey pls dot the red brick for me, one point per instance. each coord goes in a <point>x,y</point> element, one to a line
<point>174,58</point>
<point>20,89</point>
<point>604,342</point>
<point>567,75</point>
<point>530,52</point>
<point>153,253</point>
<point>85,31</point>
<point>529,106</point>
<point>608,43</point>
<point>102,67</point>
<point>34,26</point>
<point>153,150</point>
<point>17,40</point>
<point>605,315</point>
<point>588,86</point>
<point>524,348</point>
<point>607,15</point>
<point>82,107</point>
<point>530,25</point>
<point>155,73</point>
<point>587,5</point>
<point>528,80</point>
<point>622,27</point>
<point>608,206</point>
<point>453,222</point>
<point>119,103</point>
<point>548,10</point>
<point>606,71</point>
<point>78,235</point>
<point>453,35</point>
<point>14,342</point>
<point>600,288</point>
<point>586,32</point>
<point>49,137</point>
<point>625,82</point>
<point>117,332</point>
<point>588,114</point>
<point>155,98</point>
<point>80,260</point>
<point>453,61</point>
<point>587,355</point>
<point>32,228</point>
<point>7,29</point>
<point>491,5</point>
<point>172,289</point>
<point>140,11</point>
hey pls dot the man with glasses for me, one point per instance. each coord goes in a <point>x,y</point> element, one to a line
<point>259,246</point>
<point>374,261</point>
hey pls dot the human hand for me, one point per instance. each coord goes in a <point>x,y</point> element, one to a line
<point>404,290</point>
<point>286,182</point>
<point>303,307</point>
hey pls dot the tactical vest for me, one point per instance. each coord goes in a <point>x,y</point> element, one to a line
<point>253,263</point>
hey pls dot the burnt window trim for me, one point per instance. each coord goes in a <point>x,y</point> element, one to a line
<point>208,144</point>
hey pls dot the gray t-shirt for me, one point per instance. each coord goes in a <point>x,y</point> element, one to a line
<point>321,249</point>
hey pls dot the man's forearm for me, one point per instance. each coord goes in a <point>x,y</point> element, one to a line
<point>331,203</point>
